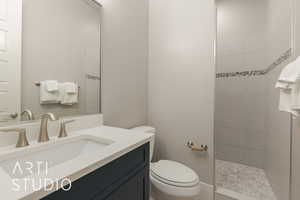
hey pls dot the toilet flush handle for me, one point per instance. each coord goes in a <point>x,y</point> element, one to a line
<point>192,146</point>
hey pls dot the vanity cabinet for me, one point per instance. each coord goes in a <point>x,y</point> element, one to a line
<point>126,178</point>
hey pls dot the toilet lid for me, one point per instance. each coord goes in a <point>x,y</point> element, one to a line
<point>174,173</point>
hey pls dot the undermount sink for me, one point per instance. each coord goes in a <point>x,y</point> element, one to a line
<point>39,159</point>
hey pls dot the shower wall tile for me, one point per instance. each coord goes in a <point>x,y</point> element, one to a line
<point>240,155</point>
<point>240,101</point>
<point>253,141</point>
<point>228,153</point>
<point>228,136</point>
<point>255,60</point>
<point>230,45</point>
<point>249,129</point>
<point>240,120</point>
<point>252,157</point>
<point>232,61</point>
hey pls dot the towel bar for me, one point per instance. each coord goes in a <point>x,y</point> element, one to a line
<point>39,84</point>
<point>202,148</point>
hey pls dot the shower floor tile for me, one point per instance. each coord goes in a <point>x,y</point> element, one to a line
<point>243,179</point>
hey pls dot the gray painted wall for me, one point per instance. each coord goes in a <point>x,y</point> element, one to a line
<point>181,80</point>
<point>61,41</point>
<point>124,62</point>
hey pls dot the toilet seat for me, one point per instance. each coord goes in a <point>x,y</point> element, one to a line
<point>174,174</point>
<point>172,180</point>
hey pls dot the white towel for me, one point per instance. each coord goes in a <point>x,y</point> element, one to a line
<point>47,97</point>
<point>51,85</point>
<point>283,85</point>
<point>289,85</point>
<point>286,102</point>
<point>71,88</point>
<point>295,96</point>
<point>291,72</point>
<point>67,97</point>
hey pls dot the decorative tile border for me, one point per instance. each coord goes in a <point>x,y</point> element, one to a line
<point>239,74</point>
<point>286,55</point>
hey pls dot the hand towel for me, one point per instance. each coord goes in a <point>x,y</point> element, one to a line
<point>295,96</point>
<point>286,102</point>
<point>283,85</point>
<point>289,86</point>
<point>51,85</point>
<point>67,98</point>
<point>291,72</point>
<point>71,88</point>
<point>47,97</point>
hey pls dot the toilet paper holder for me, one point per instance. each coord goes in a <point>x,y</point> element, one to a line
<point>202,148</point>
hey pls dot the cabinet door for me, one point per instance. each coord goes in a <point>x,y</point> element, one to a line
<point>136,188</point>
<point>126,177</point>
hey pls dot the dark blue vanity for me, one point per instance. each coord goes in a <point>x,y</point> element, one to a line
<point>126,178</point>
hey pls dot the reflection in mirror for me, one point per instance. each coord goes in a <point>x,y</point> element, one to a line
<point>254,44</point>
<point>60,64</point>
<point>10,60</point>
<point>27,115</point>
<point>61,41</point>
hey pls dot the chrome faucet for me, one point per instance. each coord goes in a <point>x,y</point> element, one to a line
<point>43,136</point>
<point>28,113</point>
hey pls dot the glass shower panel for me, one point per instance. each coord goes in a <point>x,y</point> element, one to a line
<point>296,122</point>
<point>254,44</point>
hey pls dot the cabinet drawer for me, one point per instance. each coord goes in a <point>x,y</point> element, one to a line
<point>105,178</point>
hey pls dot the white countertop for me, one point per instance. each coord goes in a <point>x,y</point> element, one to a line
<point>124,142</point>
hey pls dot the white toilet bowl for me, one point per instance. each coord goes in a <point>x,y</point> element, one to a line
<point>171,180</point>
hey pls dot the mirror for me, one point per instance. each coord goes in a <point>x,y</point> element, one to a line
<point>51,48</point>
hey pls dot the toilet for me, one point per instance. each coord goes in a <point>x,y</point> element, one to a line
<point>171,180</point>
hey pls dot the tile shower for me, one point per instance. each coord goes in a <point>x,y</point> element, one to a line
<point>251,51</point>
<point>245,180</point>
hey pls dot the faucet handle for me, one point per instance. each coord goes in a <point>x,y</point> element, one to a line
<point>50,116</point>
<point>63,131</point>
<point>68,121</point>
<point>28,113</point>
<point>22,140</point>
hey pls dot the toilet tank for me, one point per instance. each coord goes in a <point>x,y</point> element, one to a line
<point>147,129</point>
